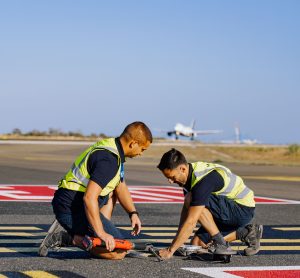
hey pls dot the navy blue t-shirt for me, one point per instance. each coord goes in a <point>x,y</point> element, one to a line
<point>102,166</point>
<point>201,191</point>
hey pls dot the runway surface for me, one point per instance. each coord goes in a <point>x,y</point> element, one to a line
<point>23,224</point>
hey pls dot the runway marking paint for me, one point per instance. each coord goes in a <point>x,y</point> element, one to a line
<point>140,193</point>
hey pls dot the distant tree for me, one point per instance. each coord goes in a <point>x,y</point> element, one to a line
<point>93,135</point>
<point>55,131</point>
<point>36,132</point>
<point>75,133</point>
<point>17,131</point>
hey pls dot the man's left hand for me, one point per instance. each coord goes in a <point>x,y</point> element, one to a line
<point>165,254</point>
<point>135,224</point>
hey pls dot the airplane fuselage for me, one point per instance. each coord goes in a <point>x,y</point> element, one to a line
<point>183,130</point>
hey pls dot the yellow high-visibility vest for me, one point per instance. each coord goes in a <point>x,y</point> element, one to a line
<point>234,187</point>
<point>78,177</point>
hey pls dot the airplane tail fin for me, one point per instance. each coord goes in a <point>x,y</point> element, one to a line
<point>193,123</point>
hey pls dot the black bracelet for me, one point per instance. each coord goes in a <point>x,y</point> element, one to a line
<point>132,213</point>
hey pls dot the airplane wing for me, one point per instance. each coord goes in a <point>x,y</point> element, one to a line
<point>169,133</point>
<point>205,132</point>
<point>166,131</point>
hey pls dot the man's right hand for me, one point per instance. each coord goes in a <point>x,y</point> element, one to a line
<point>109,241</point>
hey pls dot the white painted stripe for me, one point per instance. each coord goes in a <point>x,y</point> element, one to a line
<point>5,187</point>
<point>219,272</point>
<point>137,195</point>
<point>157,186</point>
<point>156,194</point>
<point>276,199</point>
<point>153,188</point>
<point>10,191</point>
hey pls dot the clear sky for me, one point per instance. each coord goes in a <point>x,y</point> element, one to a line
<point>96,66</point>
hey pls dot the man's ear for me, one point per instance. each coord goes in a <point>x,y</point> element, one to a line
<point>132,143</point>
<point>182,168</point>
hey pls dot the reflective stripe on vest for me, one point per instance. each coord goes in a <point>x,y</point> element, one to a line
<point>234,187</point>
<point>78,177</point>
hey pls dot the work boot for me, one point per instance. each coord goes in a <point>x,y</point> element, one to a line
<point>252,239</point>
<point>56,237</point>
<point>221,249</point>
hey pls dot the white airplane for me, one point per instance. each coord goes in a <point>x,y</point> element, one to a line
<point>189,131</point>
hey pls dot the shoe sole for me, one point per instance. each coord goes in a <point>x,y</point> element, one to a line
<point>261,230</point>
<point>43,250</point>
<point>225,253</point>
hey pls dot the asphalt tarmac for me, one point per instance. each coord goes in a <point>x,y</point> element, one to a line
<point>23,224</point>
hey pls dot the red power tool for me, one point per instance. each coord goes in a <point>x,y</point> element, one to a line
<point>91,242</point>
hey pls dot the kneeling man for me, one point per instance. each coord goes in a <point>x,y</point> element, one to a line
<point>218,200</point>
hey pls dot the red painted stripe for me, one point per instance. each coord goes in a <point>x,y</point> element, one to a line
<point>265,273</point>
<point>144,194</point>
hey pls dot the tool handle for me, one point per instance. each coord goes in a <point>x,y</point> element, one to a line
<point>119,243</point>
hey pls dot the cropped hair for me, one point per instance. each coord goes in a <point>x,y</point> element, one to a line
<point>171,160</point>
<point>137,131</point>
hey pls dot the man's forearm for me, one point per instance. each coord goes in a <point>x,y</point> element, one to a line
<point>183,216</point>
<point>93,216</point>
<point>124,198</point>
<point>187,228</point>
<point>183,235</point>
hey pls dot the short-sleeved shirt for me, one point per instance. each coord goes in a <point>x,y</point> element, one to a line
<point>102,166</point>
<point>201,191</point>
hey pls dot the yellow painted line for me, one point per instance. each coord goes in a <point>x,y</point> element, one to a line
<point>48,158</point>
<point>160,234</point>
<point>275,178</point>
<point>17,228</point>
<point>277,240</point>
<point>21,234</point>
<point>17,249</point>
<point>273,248</point>
<point>161,240</point>
<point>20,240</point>
<point>145,229</point>
<point>32,249</point>
<point>153,228</point>
<point>2,276</point>
<point>39,274</point>
<point>264,240</point>
<point>287,228</point>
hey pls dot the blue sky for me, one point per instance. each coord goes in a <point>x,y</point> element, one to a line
<point>96,66</point>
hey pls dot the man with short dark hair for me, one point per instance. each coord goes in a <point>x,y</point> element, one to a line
<point>86,196</point>
<point>218,200</point>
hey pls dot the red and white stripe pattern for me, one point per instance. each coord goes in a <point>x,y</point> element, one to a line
<point>248,272</point>
<point>139,193</point>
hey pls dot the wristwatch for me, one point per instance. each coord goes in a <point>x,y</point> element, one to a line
<point>132,213</point>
